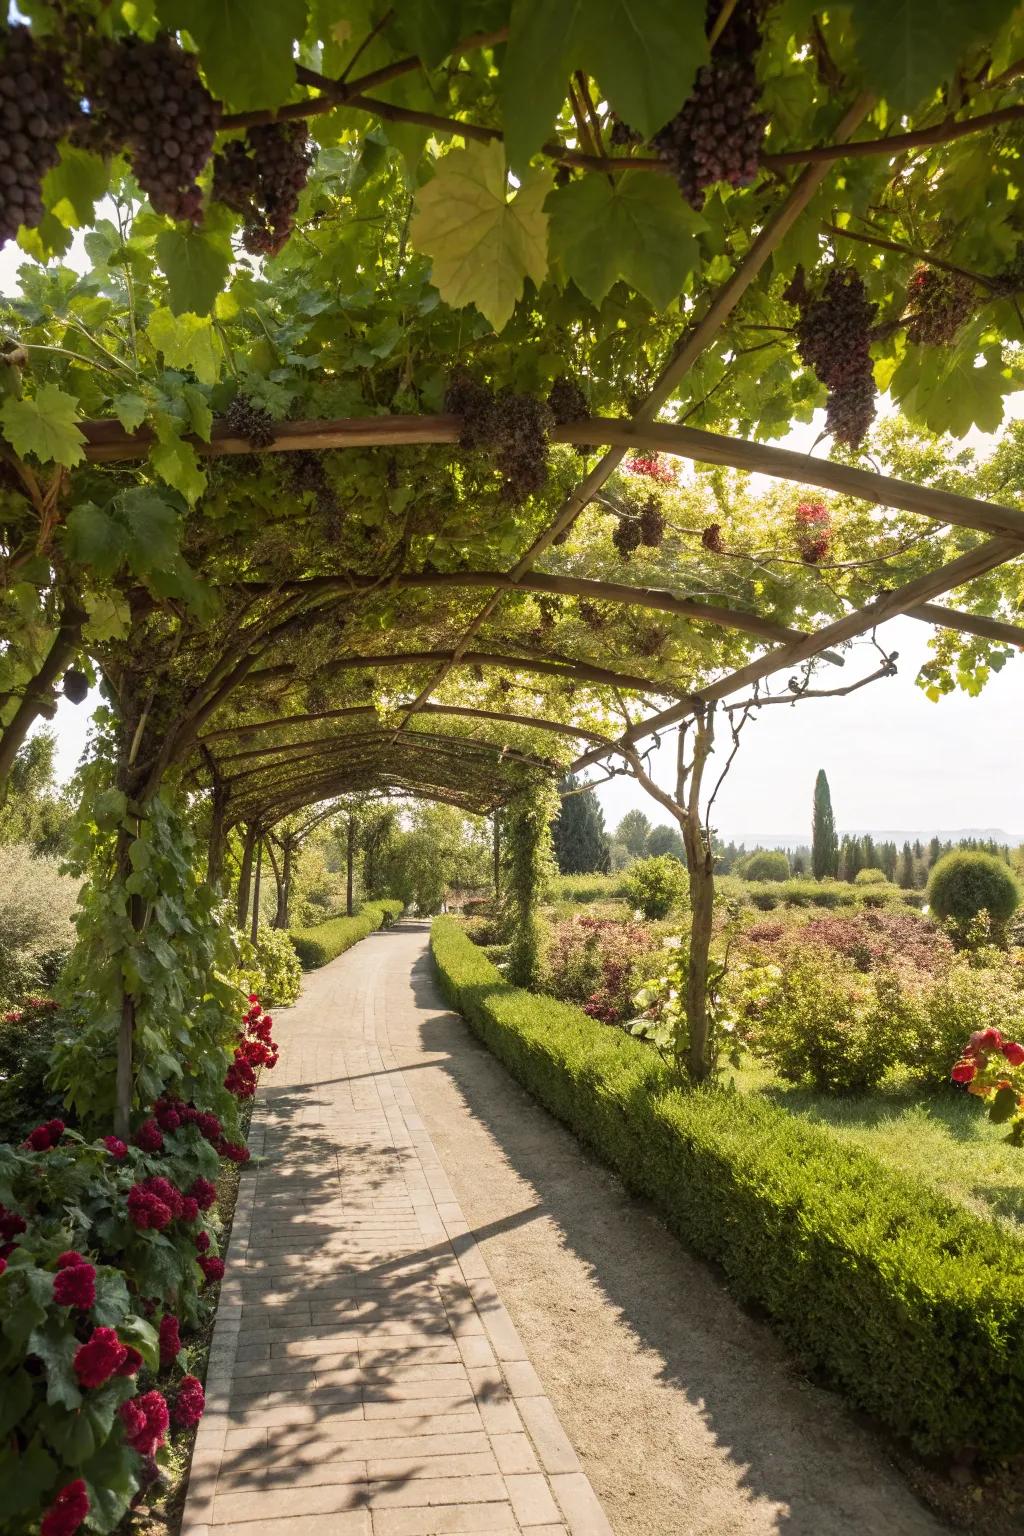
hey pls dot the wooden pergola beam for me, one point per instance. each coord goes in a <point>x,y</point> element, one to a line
<point>461,711</point>
<point>968,623</point>
<point>572,671</point>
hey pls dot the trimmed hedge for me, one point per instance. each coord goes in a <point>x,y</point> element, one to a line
<point>316,946</point>
<point>910,1304</point>
<point>766,895</point>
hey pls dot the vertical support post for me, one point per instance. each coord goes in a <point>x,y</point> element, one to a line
<point>497,856</point>
<point>700,866</point>
<point>286,882</point>
<point>350,858</point>
<point>245,875</point>
<point>218,839</point>
<point>254,930</point>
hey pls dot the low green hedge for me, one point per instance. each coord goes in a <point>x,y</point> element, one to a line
<point>316,946</point>
<point>766,895</point>
<point>909,1304</point>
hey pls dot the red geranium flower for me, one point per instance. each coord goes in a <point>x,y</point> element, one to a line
<point>146,1421</point>
<point>202,1241</point>
<point>117,1148</point>
<point>203,1193</point>
<point>209,1126</point>
<point>3,1265</point>
<point>168,1114</point>
<point>170,1340</point>
<point>146,1211</point>
<point>74,1285</point>
<point>212,1268</point>
<point>148,1137</point>
<point>45,1136</point>
<point>234,1152</point>
<point>964,1072</point>
<point>98,1360</point>
<point>67,1512</point>
<point>189,1210</point>
<point>1013,1052</point>
<point>190,1403</point>
<point>165,1191</point>
<point>131,1363</point>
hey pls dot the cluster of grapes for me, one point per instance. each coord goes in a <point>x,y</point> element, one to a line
<point>592,616</point>
<point>712,539</point>
<point>247,419</point>
<point>813,531</point>
<point>834,338</point>
<point>652,524</point>
<point>566,401</point>
<point>627,535</point>
<point>75,686</point>
<point>512,428</point>
<point>648,639</point>
<point>942,302</point>
<point>147,98</point>
<point>36,112</point>
<point>262,177</point>
<point>306,476</point>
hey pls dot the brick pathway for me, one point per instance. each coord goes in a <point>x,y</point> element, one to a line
<point>365,1379</point>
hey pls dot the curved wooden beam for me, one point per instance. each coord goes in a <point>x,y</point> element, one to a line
<point>968,623</point>
<point>529,722</point>
<point>572,671</point>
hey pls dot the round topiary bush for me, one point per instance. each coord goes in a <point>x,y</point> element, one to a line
<point>870,877</point>
<point>765,864</point>
<point>964,884</point>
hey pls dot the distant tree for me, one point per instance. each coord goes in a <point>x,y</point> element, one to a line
<point>935,850</point>
<point>34,811</point>
<point>666,840</point>
<point>905,868</point>
<point>889,858</point>
<point>824,842</point>
<point>869,853</point>
<point>764,864</point>
<point>799,864</point>
<point>634,831</point>
<point>581,844</point>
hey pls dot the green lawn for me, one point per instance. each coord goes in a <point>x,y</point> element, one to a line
<point>944,1139</point>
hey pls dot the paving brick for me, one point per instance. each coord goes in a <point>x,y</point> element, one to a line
<point>416,1492</point>
<point>583,1513</point>
<point>514,1453</point>
<point>553,1446</point>
<point>442,1520</point>
<point>531,1499</point>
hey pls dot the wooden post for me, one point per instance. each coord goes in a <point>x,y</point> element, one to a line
<point>218,839</point>
<point>245,875</point>
<point>350,854</point>
<point>497,857</point>
<point>254,930</point>
<point>286,884</point>
<point>700,865</point>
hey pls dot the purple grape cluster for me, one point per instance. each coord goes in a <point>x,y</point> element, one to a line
<point>627,535</point>
<point>718,133</point>
<point>511,428</point>
<point>36,112</point>
<point>567,402</point>
<point>834,338</point>
<point>652,524</point>
<point>147,98</point>
<point>247,419</point>
<point>262,177</point>
<point>941,303</point>
<point>306,476</point>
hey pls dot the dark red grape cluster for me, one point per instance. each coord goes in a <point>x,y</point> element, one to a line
<point>652,524</point>
<point>247,419</point>
<point>718,133</point>
<point>941,303</point>
<point>306,476</point>
<point>75,685</point>
<point>262,178</point>
<point>592,616</point>
<point>511,428</point>
<point>147,98</point>
<point>627,535</point>
<point>567,402</point>
<point>712,539</point>
<point>834,338</point>
<point>36,112</point>
<point>813,531</point>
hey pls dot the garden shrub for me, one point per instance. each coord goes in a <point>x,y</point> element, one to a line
<point>317,946</point>
<point>27,1037</point>
<point>868,938</point>
<point>107,1252</point>
<point>598,964</point>
<point>910,1304</point>
<point>581,890</point>
<point>270,967</point>
<point>655,886</point>
<point>962,885</point>
<point>765,864</point>
<point>769,895</point>
<point>37,904</point>
<point>870,877</point>
<point>962,1000</point>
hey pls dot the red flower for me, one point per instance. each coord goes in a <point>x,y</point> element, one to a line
<point>189,1210</point>
<point>168,1115</point>
<point>3,1265</point>
<point>74,1285</point>
<point>170,1339</point>
<point>203,1193</point>
<point>98,1360</point>
<point>117,1148</point>
<point>67,1512</point>
<point>964,1072</point>
<point>240,1079</point>
<point>131,1363</point>
<point>146,1422</point>
<point>213,1269</point>
<point>164,1190</point>
<point>986,1039</point>
<point>254,997</point>
<point>146,1211</point>
<point>1013,1052</point>
<point>45,1136</point>
<point>190,1403</point>
<point>209,1126</point>
<point>148,1137</point>
<point>234,1152</point>
<point>70,1259</point>
<point>202,1241</point>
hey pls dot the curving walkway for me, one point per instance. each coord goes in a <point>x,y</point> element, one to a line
<point>365,1378</point>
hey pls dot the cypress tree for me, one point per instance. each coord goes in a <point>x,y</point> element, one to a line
<point>905,870</point>
<point>824,841</point>
<point>580,841</point>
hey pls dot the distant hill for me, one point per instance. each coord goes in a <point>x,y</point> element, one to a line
<point>924,835</point>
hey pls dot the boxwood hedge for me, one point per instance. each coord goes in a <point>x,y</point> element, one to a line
<point>316,946</point>
<point>909,1304</point>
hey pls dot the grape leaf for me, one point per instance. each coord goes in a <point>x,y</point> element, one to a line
<point>643,53</point>
<point>44,424</point>
<point>637,228</point>
<point>482,246</point>
<point>175,461</point>
<point>93,538</point>
<point>246,45</point>
<point>109,616</point>
<point>910,47</point>
<point>196,266</point>
<point>430,27</point>
<point>130,410</point>
<point>951,392</point>
<point>73,187</point>
<point>186,341</point>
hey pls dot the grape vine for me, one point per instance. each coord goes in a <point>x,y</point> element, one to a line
<point>834,339</point>
<point>262,178</point>
<point>511,428</point>
<point>941,303</point>
<point>247,419</point>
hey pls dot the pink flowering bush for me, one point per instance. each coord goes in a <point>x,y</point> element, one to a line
<point>599,964</point>
<point>991,1066</point>
<point>108,1261</point>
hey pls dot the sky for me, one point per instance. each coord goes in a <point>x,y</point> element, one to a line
<point>895,761</point>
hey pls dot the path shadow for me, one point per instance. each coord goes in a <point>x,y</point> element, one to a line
<point>790,1442</point>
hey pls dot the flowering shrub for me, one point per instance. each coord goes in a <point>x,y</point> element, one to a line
<point>868,938</point>
<point>107,1253</point>
<point>967,1000</point>
<point>990,1067</point>
<point>597,963</point>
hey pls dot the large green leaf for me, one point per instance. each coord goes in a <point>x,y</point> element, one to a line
<point>186,341</point>
<point>245,45</point>
<point>952,390</point>
<point>637,228</point>
<point>55,1345</point>
<point>94,539</point>
<point>175,460</point>
<point>73,187</point>
<point>196,266</point>
<point>533,78</point>
<point>483,246</point>
<point>430,27</point>
<point>44,424</point>
<point>911,47</point>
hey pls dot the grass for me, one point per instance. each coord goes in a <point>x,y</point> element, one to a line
<point>941,1138</point>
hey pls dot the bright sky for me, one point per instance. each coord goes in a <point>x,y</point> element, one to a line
<point>894,760</point>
